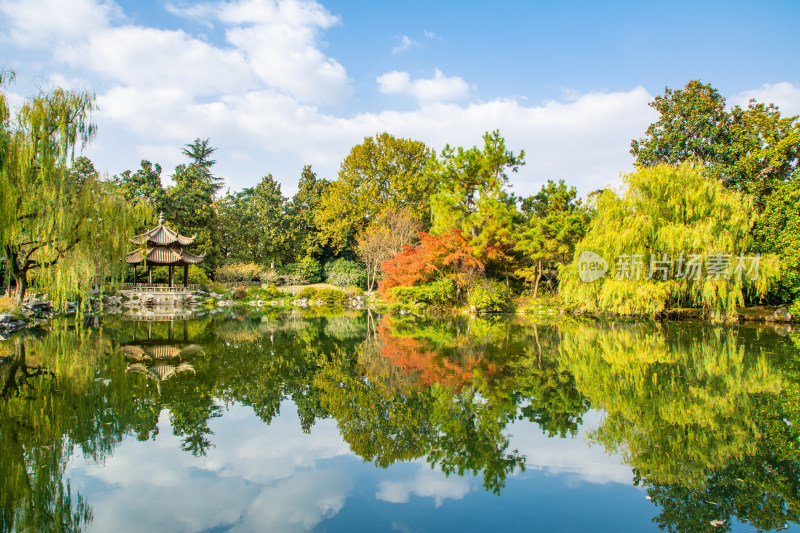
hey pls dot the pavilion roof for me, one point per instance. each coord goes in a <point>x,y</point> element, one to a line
<point>168,255</point>
<point>161,235</point>
<point>148,353</point>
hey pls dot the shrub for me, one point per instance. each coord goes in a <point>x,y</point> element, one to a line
<point>239,293</point>
<point>795,309</point>
<point>272,293</point>
<point>269,276</point>
<point>197,276</point>
<point>308,270</point>
<point>436,292</point>
<point>7,305</point>
<point>307,292</point>
<point>218,288</point>
<point>490,296</point>
<point>332,296</point>
<point>343,272</point>
<point>233,272</point>
<point>352,292</point>
<point>252,291</point>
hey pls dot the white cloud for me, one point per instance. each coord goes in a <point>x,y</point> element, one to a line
<point>150,60</point>
<point>440,88</point>
<point>255,475</point>
<point>573,456</point>
<point>274,44</point>
<point>256,96</point>
<point>282,134</point>
<point>279,41</point>
<point>427,483</point>
<point>785,95</point>
<point>406,43</point>
<point>298,503</point>
<point>202,13</point>
<point>26,25</point>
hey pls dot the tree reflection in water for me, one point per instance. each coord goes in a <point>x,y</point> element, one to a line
<point>706,417</point>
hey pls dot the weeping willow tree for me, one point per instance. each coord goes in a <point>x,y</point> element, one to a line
<point>57,232</point>
<point>675,237</point>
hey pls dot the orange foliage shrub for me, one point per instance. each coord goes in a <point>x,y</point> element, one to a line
<point>436,256</point>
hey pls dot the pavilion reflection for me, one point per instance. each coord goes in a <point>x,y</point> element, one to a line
<point>154,356</point>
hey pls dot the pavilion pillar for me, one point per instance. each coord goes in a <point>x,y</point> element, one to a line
<point>134,275</point>
<point>150,275</point>
<point>171,276</point>
<point>185,276</point>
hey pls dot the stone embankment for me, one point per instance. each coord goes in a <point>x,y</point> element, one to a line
<point>38,312</point>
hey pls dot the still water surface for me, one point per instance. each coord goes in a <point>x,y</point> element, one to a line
<point>357,422</point>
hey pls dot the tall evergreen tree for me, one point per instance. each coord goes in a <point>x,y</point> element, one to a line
<point>190,203</point>
<point>555,222</point>
<point>471,195</point>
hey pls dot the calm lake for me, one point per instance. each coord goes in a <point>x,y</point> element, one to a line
<point>361,422</point>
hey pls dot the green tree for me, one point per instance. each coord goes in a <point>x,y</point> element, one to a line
<point>306,237</point>
<point>767,150</point>
<point>51,212</point>
<point>199,151</point>
<point>81,171</point>
<point>471,195</point>
<point>143,185</point>
<point>382,172</point>
<point>778,230</point>
<point>189,204</point>
<point>253,223</point>
<point>673,237</point>
<point>555,222</point>
<point>693,124</point>
<point>239,239</point>
<point>750,149</point>
<point>190,210</point>
<point>268,206</point>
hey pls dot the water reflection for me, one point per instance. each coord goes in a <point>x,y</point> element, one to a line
<point>705,418</point>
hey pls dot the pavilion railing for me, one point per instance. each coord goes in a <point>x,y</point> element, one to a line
<point>156,287</point>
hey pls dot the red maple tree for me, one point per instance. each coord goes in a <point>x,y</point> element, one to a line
<point>435,257</point>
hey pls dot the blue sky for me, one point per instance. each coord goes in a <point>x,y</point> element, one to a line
<point>276,85</point>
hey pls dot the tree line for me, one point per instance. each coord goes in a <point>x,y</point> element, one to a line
<point>428,228</point>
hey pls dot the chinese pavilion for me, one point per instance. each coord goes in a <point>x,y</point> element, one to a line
<point>162,246</point>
